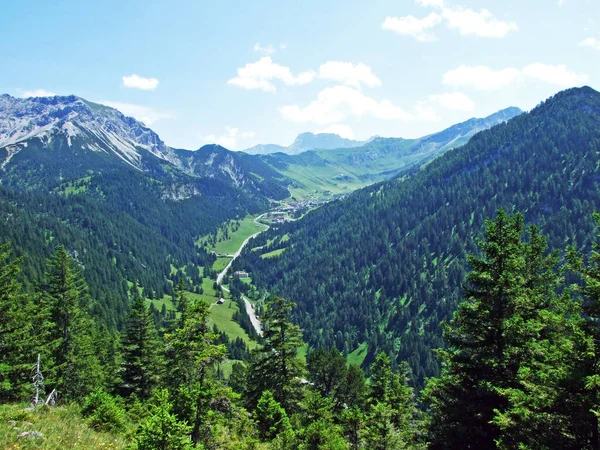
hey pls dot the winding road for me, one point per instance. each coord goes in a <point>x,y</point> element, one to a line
<point>221,275</point>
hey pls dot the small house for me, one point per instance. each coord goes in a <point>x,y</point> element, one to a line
<point>221,301</point>
<point>241,274</point>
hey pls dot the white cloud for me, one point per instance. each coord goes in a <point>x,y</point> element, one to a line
<point>229,139</point>
<point>260,75</point>
<point>144,114</point>
<point>427,110</point>
<point>481,78</point>
<point>411,26</point>
<point>484,78</point>
<point>455,101</point>
<point>590,43</point>
<point>38,93</point>
<point>266,50</point>
<point>349,74</point>
<point>558,75</point>
<point>431,3</point>
<point>335,104</point>
<point>341,130</point>
<point>465,20</point>
<point>137,82</point>
<point>482,23</point>
<point>282,46</point>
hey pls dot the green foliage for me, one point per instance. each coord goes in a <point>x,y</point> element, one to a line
<point>275,366</point>
<point>331,377</point>
<point>271,418</point>
<point>161,430</point>
<point>380,432</point>
<point>103,412</point>
<point>16,340</point>
<point>75,369</point>
<point>511,349</point>
<point>141,365</point>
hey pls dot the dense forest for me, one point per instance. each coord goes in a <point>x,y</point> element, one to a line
<point>520,367</point>
<point>385,265</point>
<point>120,224</point>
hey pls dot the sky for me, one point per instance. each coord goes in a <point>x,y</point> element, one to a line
<point>240,73</point>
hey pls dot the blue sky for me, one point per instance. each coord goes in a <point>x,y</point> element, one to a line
<point>247,72</point>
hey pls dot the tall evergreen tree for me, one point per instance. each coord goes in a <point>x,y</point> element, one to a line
<point>76,370</point>
<point>16,340</point>
<point>585,386</point>
<point>464,399</point>
<point>140,348</point>
<point>509,348</point>
<point>191,350</point>
<point>276,366</point>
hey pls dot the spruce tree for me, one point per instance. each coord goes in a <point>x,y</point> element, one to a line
<point>585,387</point>
<point>16,340</point>
<point>275,365</point>
<point>191,350</point>
<point>140,351</point>
<point>75,369</point>
<point>510,348</point>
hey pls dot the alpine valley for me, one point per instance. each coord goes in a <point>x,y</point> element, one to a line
<point>333,294</point>
<point>81,174</point>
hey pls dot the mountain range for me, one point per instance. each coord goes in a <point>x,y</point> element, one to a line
<point>84,175</point>
<point>306,141</point>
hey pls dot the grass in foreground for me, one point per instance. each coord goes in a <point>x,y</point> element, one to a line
<point>62,428</point>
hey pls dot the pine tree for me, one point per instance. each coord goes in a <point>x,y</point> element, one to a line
<point>140,349</point>
<point>191,350</point>
<point>276,366</point>
<point>391,389</point>
<point>76,370</point>
<point>270,417</point>
<point>586,380</point>
<point>16,340</point>
<point>327,371</point>
<point>510,349</point>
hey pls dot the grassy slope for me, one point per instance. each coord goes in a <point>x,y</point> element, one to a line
<point>221,315</point>
<point>62,428</point>
<point>272,254</point>
<point>247,227</point>
<point>358,355</point>
<point>347,169</point>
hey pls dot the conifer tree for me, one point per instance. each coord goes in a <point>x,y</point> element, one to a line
<point>16,342</point>
<point>271,418</point>
<point>586,381</point>
<point>276,366</point>
<point>161,430</point>
<point>191,350</point>
<point>510,348</point>
<point>140,349</point>
<point>76,369</point>
<point>391,389</point>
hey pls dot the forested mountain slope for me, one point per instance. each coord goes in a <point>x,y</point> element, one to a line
<point>124,204</point>
<point>385,265</point>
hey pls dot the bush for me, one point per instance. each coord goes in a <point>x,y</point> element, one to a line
<point>103,412</point>
<point>161,430</point>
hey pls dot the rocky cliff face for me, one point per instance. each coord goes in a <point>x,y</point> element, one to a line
<point>88,125</point>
